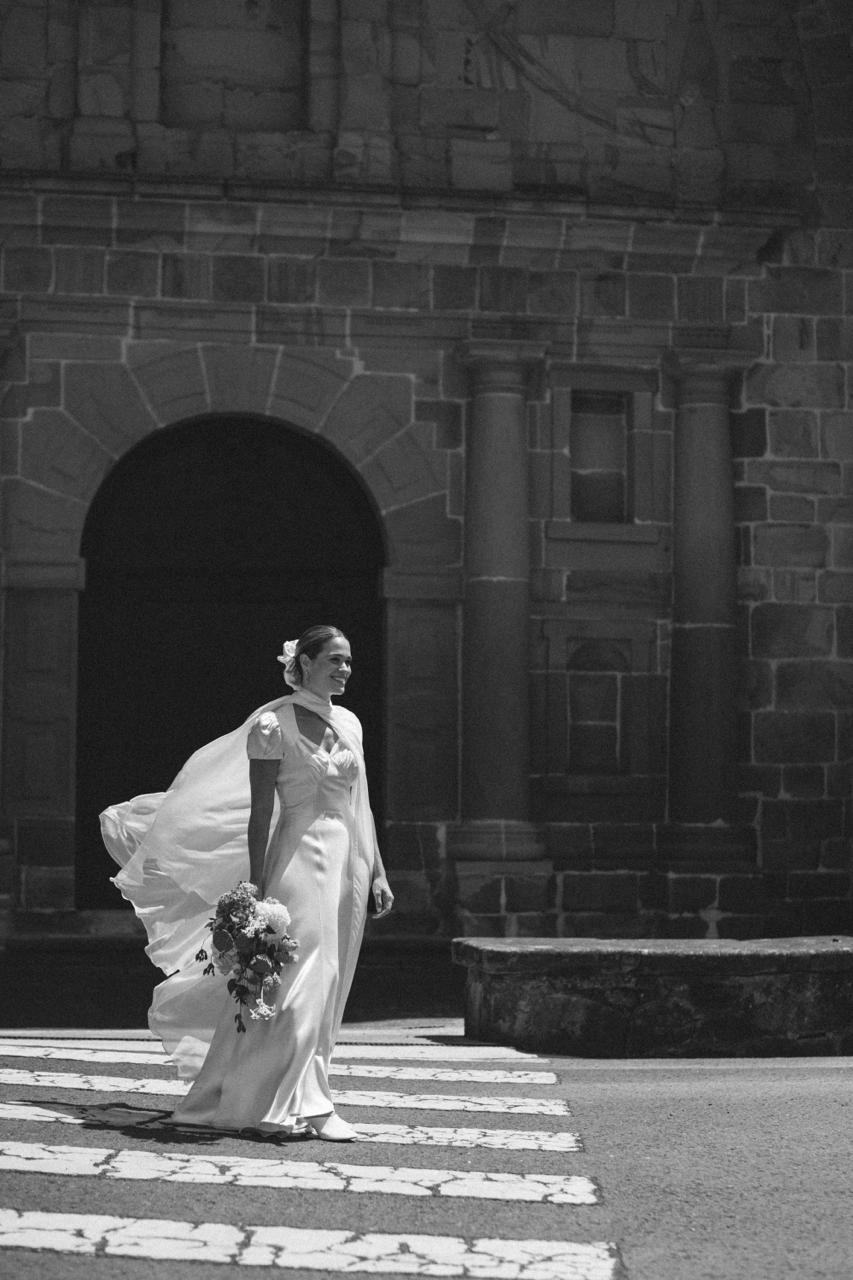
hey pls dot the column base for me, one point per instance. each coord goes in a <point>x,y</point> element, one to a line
<point>495,839</point>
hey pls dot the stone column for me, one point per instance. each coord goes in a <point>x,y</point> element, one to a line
<point>39,719</point>
<point>495,728</point>
<point>704,673</point>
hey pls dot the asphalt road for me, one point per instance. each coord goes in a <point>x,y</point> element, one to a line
<point>718,1170</point>
<point>738,1169</point>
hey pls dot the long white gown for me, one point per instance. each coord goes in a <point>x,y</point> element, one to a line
<point>319,864</point>
<point>277,1072</point>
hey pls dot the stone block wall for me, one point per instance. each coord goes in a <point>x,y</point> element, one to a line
<point>654,103</point>
<point>124,313</point>
<point>313,234</point>
<point>793,444</point>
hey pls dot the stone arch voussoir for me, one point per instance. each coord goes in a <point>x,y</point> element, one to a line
<point>374,408</point>
<point>239,379</point>
<point>106,403</point>
<point>171,379</point>
<point>41,525</point>
<point>306,384</point>
<point>406,468</point>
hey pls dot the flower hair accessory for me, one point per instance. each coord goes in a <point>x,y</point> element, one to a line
<point>287,658</point>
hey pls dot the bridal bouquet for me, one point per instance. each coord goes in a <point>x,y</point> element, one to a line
<point>250,944</point>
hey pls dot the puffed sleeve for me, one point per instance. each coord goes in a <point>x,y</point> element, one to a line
<point>265,741</point>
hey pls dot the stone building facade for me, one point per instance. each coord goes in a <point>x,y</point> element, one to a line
<point>556,301</point>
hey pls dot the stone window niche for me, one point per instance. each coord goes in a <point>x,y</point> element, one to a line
<point>233,66</point>
<point>594,691</point>
<point>599,681</point>
<point>601,423</point>
<point>603,702</point>
<point>208,88</point>
<point>598,429</point>
<point>609,486</point>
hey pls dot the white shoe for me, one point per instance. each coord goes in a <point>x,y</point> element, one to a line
<point>332,1128</point>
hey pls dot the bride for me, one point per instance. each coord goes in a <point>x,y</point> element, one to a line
<point>180,850</point>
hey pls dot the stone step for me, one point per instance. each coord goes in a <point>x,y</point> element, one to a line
<point>661,997</point>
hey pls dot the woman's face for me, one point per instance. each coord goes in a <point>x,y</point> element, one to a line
<point>327,674</point>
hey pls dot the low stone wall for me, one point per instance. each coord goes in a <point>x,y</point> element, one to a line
<point>646,998</point>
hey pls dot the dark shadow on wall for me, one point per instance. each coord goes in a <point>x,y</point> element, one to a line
<point>207,546</point>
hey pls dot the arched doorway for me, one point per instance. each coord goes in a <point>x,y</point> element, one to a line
<point>207,545</point>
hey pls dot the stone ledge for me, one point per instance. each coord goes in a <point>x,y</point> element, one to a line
<point>610,998</point>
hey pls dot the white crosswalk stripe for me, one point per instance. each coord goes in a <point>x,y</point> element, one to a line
<point>292,1175</point>
<point>400,1135</point>
<point>310,1250</point>
<point>507,1105</point>
<point>375,1071</point>
<point>183,1238</point>
<point>345,1050</point>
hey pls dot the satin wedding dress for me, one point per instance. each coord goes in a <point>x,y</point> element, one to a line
<point>183,849</point>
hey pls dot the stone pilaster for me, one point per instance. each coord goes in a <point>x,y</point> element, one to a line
<point>495,744</point>
<point>39,716</point>
<point>703,742</point>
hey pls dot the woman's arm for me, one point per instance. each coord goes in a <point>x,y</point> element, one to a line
<point>262,776</point>
<point>383,898</point>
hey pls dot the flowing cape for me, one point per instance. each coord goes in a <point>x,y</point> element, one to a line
<point>179,850</point>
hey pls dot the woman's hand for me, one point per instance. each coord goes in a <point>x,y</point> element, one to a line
<point>382,896</point>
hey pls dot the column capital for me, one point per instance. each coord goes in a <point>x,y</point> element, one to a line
<point>501,364</point>
<point>701,379</point>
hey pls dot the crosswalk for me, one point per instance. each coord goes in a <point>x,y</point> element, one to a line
<point>63,1125</point>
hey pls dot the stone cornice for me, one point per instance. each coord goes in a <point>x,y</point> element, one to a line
<point>30,573</point>
<point>167,186</point>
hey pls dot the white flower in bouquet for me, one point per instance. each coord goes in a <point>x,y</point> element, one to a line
<point>272,914</point>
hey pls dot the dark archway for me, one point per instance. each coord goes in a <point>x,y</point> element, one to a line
<point>207,545</point>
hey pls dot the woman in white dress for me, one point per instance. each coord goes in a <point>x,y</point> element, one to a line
<point>182,849</point>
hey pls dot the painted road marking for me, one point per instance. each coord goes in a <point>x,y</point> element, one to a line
<point>436,1052</point>
<point>293,1175</point>
<point>399,1135</point>
<point>446,1053</point>
<point>344,1097</point>
<point>299,1248</point>
<point>451,1075</point>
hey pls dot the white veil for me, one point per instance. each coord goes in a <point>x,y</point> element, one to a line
<point>179,850</point>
